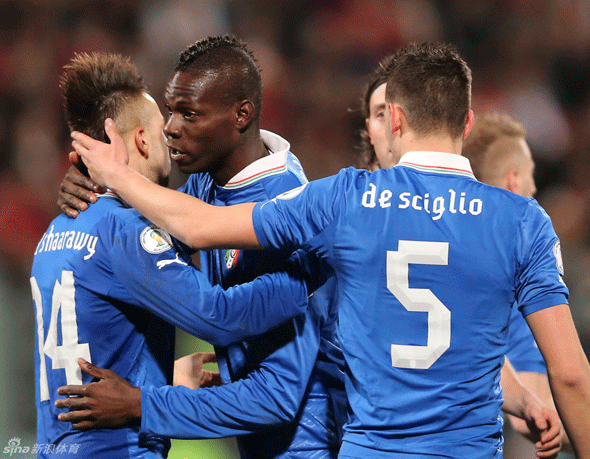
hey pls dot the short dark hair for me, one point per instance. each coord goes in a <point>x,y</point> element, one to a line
<point>229,59</point>
<point>368,158</point>
<point>433,84</point>
<point>96,87</point>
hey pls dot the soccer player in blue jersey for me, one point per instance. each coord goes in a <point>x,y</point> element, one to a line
<point>90,277</point>
<point>499,156</point>
<point>292,376</point>
<point>428,262</point>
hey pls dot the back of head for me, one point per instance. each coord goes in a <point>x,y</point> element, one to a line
<point>98,86</point>
<point>488,156</point>
<point>231,63</point>
<point>433,85</point>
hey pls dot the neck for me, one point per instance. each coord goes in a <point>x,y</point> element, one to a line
<point>251,150</point>
<point>442,143</point>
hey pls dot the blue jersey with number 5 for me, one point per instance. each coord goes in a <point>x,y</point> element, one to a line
<point>428,263</point>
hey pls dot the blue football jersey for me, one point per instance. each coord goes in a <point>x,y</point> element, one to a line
<point>300,361</point>
<point>428,262</point>
<point>108,287</point>
<point>522,351</point>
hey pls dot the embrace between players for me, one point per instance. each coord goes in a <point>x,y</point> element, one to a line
<point>405,335</point>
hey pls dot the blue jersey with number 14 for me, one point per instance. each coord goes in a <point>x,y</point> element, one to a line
<point>428,263</point>
<point>108,287</point>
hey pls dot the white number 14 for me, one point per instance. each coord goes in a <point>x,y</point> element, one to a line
<point>419,300</point>
<point>65,355</point>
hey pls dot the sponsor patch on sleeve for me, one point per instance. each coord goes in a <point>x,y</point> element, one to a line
<point>155,240</point>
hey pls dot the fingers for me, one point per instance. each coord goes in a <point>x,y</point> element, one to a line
<point>81,420</point>
<point>209,357</point>
<point>70,390</point>
<point>92,370</point>
<point>75,159</point>
<point>83,141</point>
<point>81,150</point>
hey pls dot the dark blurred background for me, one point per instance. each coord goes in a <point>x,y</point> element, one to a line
<point>530,59</point>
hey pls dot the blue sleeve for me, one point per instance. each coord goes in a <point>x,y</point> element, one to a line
<point>539,274</point>
<point>268,396</point>
<point>166,284</point>
<point>293,219</point>
<point>523,353</point>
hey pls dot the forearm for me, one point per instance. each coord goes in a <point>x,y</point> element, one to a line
<point>185,217</point>
<point>571,393</point>
<point>267,397</point>
<point>568,371</point>
<point>516,396</point>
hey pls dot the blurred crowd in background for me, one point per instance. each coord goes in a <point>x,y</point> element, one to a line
<point>530,59</point>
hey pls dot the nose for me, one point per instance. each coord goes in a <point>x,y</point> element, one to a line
<point>171,128</point>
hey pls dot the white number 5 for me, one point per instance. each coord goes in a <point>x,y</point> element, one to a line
<point>419,300</point>
<point>64,355</point>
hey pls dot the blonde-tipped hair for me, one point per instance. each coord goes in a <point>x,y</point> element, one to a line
<point>489,128</point>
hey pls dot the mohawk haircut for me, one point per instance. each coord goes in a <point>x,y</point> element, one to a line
<point>96,87</point>
<point>433,84</point>
<point>487,129</point>
<point>231,62</point>
<point>368,158</point>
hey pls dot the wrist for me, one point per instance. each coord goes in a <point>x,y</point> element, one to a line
<point>135,406</point>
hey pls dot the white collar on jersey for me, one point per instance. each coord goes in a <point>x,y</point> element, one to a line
<point>112,194</point>
<point>438,162</point>
<point>274,163</point>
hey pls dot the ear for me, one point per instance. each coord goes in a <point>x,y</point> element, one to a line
<point>398,118</point>
<point>511,180</point>
<point>468,124</point>
<point>244,114</point>
<point>140,139</point>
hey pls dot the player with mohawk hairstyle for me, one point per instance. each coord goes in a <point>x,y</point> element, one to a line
<point>289,382</point>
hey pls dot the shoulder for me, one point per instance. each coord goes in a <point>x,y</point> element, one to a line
<point>197,185</point>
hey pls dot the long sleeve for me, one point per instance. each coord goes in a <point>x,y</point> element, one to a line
<point>268,396</point>
<point>166,284</point>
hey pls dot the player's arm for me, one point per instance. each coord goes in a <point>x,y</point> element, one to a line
<point>189,371</point>
<point>568,371</point>
<point>543,423</point>
<point>527,361</point>
<point>267,397</point>
<point>538,384</point>
<point>170,287</point>
<point>189,219</point>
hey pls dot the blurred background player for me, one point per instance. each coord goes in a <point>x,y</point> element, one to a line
<point>429,97</point>
<point>213,99</point>
<point>499,155</point>
<point>89,276</point>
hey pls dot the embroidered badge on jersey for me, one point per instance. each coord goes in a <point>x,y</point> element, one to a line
<point>231,258</point>
<point>155,240</point>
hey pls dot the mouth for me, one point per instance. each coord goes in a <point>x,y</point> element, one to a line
<point>175,154</point>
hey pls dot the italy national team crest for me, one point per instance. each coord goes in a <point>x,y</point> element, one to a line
<point>231,258</point>
<point>155,240</point>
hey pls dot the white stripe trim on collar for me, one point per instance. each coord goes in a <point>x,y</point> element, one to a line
<point>437,162</point>
<point>274,163</point>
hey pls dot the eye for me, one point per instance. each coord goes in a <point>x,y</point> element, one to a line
<point>168,109</point>
<point>189,115</point>
<point>381,114</point>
